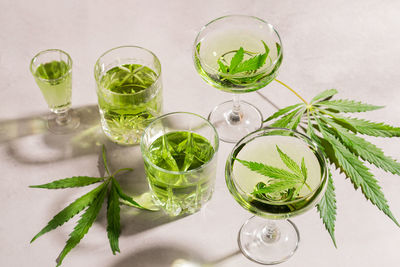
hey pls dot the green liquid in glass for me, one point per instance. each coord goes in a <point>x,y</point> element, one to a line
<point>222,48</point>
<point>184,177</point>
<point>55,81</point>
<point>263,149</point>
<point>129,98</point>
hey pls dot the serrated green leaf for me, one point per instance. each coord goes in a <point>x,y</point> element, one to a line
<point>76,181</point>
<point>251,64</point>
<point>337,118</point>
<point>344,105</point>
<point>84,223</point>
<point>327,208</point>
<point>222,67</point>
<point>324,95</point>
<point>266,49</point>
<point>126,197</point>
<point>276,187</point>
<point>166,154</point>
<point>285,120</point>
<point>236,59</point>
<point>366,150</point>
<point>358,174</point>
<point>373,128</point>
<point>290,163</point>
<point>269,171</point>
<point>296,119</point>
<point>304,169</point>
<point>70,211</point>
<point>282,111</point>
<point>113,217</point>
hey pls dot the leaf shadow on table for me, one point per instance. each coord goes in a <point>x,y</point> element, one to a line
<point>172,255</point>
<point>29,141</point>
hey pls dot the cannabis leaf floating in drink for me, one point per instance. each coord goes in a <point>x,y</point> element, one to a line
<point>92,202</point>
<point>323,121</point>
<point>286,183</point>
<point>238,64</point>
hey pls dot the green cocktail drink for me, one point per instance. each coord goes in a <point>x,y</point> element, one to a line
<point>237,54</point>
<point>274,173</point>
<point>52,70</point>
<point>180,162</point>
<point>180,152</point>
<point>287,193</point>
<point>55,81</point>
<point>129,92</point>
<point>258,61</point>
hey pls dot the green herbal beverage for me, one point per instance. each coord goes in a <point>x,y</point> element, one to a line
<point>277,174</point>
<point>180,152</point>
<point>55,81</point>
<point>129,92</point>
<point>180,165</point>
<point>237,61</point>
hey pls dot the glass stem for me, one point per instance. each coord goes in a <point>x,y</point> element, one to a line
<point>270,233</point>
<point>62,118</point>
<point>236,115</point>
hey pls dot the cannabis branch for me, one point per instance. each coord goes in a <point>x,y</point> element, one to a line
<point>323,121</point>
<point>92,202</point>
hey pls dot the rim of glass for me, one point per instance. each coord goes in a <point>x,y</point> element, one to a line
<point>97,77</point>
<point>45,52</point>
<point>196,41</point>
<point>179,172</point>
<point>305,138</point>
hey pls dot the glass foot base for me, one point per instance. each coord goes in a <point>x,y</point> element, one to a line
<point>231,127</point>
<point>268,242</point>
<point>66,126</point>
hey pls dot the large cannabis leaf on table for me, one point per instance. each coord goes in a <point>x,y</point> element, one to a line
<point>323,121</point>
<point>92,202</point>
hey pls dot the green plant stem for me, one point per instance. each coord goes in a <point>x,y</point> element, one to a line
<point>293,91</point>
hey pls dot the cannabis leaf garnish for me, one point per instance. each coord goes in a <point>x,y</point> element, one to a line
<point>323,121</point>
<point>92,202</point>
<point>287,183</point>
<point>237,65</point>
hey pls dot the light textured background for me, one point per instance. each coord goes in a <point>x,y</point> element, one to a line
<point>349,45</point>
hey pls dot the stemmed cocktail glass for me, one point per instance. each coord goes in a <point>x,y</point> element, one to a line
<point>275,174</point>
<point>237,54</point>
<point>52,70</point>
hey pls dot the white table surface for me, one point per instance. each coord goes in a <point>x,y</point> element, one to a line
<point>353,46</point>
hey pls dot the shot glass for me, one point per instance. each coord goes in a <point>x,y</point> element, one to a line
<point>180,156</point>
<point>52,70</point>
<point>129,92</point>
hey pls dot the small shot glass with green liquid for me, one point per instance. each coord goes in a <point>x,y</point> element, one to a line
<point>180,156</point>
<point>52,70</point>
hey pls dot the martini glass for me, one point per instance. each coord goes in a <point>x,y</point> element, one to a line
<point>269,238</point>
<point>214,52</point>
<point>52,70</point>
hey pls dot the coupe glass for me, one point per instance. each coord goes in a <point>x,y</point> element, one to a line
<point>214,49</point>
<point>52,70</point>
<point>269,238</point>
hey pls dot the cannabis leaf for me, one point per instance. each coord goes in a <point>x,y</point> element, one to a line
<point>92,202</point>
<point>327,208</point>
<point>337,135</point>
<point>282,180</point>
<point>237,65</point>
